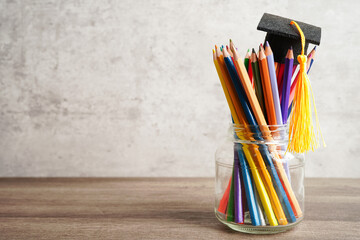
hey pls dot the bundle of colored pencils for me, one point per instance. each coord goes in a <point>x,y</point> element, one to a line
<point>259,92</point>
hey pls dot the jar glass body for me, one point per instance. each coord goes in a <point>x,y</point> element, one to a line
<point>259,186</point>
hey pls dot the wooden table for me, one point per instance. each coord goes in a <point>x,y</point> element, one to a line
<point>156,208</point>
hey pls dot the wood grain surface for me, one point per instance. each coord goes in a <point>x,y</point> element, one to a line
<point>156,208</point>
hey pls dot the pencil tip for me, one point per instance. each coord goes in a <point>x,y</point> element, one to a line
<point>232,46</point>
<point>266,44</point>
<point>226,54</point>
<point>253,51</point>
<point>314,48</point>
<point>291,48</point>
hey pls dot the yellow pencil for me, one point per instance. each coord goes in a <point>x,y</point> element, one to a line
<point>226,92</point>
<point>260,187</point>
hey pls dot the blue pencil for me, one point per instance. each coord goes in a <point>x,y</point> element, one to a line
<point>289,63</point>
<point>239,90</point>
<point>249,190</point>
<point>289,213</point>
<point>312,59</point>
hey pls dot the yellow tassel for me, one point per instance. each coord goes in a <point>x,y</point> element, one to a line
<point>302,136</point>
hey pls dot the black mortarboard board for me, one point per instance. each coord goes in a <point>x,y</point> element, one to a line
<point>281,35</point>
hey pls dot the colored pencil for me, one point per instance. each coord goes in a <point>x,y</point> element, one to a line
<point>259,208</point>
<point>256,174</point>
<point>246,85</point>
<point>230,205</point>
<point>246,59</point>
<point>280,77</point>
<point>266,87</point>
<point>253,203</point>
<point>271,186</point>
<point>238,197</point>
<point>224,200</point>
<point>227,48</point>
<point>250,73</point>
<point>277,71</point>
<point>229,193</point>
<point>311,59</point>
<point>257,81</point>
<point>284,200</point>
<point>283,115</point>
<point>235,106</point>
<point>224,75</point>
<point>247,63</point>
<point>281,170</point>
<point>266,201</point>
<point>239,90</point>
<point>289,63</point>
<point>273,80</point>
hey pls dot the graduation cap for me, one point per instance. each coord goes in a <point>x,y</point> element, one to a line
<point>281,35</point>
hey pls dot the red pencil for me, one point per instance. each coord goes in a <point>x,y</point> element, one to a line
<point>280,81</point>
<point>224,200</point>
<point>249,70</point>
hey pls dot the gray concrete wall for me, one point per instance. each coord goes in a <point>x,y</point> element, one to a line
<point>128,88</point>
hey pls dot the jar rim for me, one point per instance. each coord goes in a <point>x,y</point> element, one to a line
<point>262,128</point>
<point>299,164</point>
<point>259,134</point>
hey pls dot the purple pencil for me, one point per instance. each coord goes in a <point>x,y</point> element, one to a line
<point>238,193</point>
<point>289,63</point>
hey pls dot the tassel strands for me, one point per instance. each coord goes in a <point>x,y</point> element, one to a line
<point>302,137</point>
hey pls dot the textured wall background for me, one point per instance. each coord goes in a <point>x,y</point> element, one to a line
<point>128,88</point>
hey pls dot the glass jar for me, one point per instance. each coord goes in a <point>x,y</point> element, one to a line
<point>259,186</point>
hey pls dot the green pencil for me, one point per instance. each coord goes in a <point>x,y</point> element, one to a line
<point>247,60</point>
<point>257,81</point>
<point>230,206</point>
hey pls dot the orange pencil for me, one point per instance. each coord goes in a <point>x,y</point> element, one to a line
<point>265,80</point>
